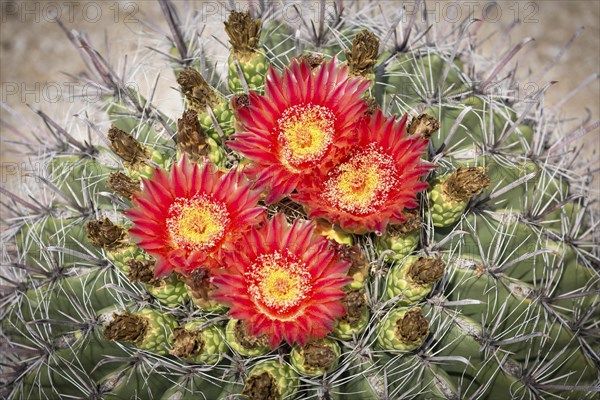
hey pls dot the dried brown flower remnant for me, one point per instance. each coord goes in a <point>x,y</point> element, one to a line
<point>126,327</point>
<point>359,266</point>
<point>261,387</point>
<point>243,32</point>
<point>412,223</point>
<point>318,355</point>
<point>465,182</point>
<point>313,60</point>
<point>427,270</point>
<point>197,91</point>
<point>126,146</point>
<point>142,271</point>
<point>103,233</point>
<point>190,138</point>
<point>186,343</point>
<point>372,105</point>
<point>424,125</point>
<point>412,327</point>
<point>123,185</point>
<point>363,55</point>
<point>247,340</point>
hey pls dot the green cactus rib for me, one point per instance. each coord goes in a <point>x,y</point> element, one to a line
<point>512,314</point>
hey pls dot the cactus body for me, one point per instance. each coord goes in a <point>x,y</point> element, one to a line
<point>485,286</point>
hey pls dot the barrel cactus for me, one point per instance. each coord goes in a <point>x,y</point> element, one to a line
<point>336,213</point>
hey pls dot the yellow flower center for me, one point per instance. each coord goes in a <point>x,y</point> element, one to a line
<point>198,223</point>
<point>361,184</point>
<point>305,134</point>
<point>278,282</point>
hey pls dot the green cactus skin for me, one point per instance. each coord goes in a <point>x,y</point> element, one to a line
<point>513,316</point>
<point>134,382</point>
<point>324,357</point>
<point>400,78</point>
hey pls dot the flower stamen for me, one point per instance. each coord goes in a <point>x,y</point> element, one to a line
<point>197,223</point>
<point>361,184</point>
<point>305,134</point>
<point>278,282</point>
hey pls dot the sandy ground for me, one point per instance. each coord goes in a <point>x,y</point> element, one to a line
<point>35,55</point>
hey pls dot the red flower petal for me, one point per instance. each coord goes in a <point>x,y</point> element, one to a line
<point>288,292</point>
<point>300,124</point>
<point>376,180</point>
<point>184,218</point>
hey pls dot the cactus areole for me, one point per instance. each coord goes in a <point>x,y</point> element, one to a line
<point>340,213</point>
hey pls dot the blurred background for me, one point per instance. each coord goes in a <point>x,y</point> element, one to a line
<point>36,57</point>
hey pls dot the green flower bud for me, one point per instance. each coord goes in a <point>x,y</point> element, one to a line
<point>316,357</point>
<point>199,343</point>
<point>413,279</point>
<point>451,193</point>
<point>147,329</point>
<point>271,380</point>
<point>403,329</point>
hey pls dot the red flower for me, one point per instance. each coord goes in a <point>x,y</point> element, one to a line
<point>284,281</point>
<point>296,126</point>
<point>374,183</point>
<point>186,217</point>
